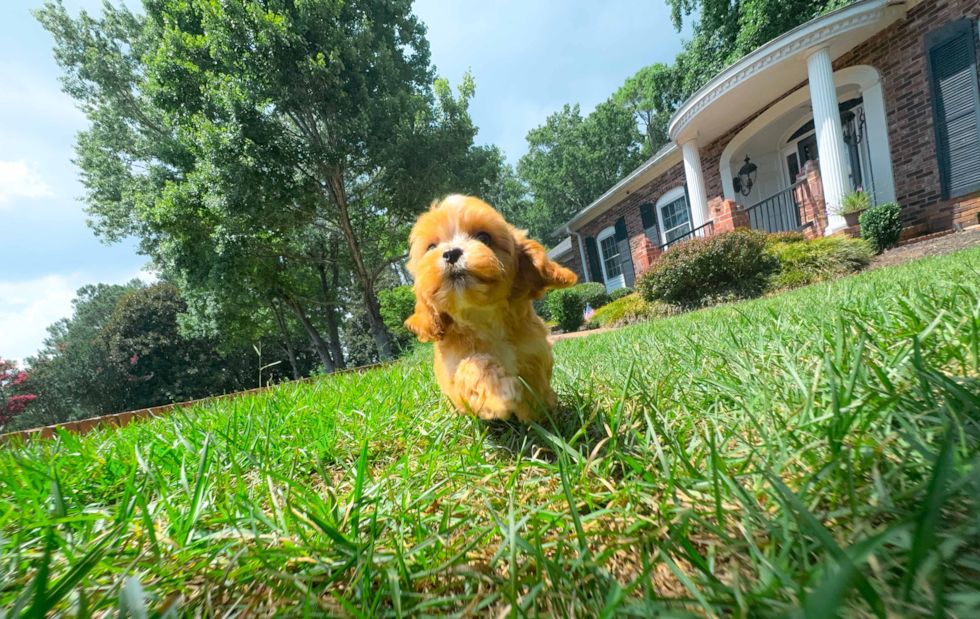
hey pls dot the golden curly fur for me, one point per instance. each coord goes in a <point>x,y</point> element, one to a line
<point>475,278</point>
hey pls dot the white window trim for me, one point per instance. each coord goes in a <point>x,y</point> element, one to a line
<point>620,280</point>
<point>664,200</point>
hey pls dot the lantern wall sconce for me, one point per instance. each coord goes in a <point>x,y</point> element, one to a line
<point>746,177</point>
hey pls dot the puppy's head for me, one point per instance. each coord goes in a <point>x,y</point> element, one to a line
<point>464,255</point>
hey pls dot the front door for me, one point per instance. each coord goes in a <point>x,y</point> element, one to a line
<point>807,148</point>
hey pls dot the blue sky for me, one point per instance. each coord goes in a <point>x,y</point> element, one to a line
<point>528,58</point>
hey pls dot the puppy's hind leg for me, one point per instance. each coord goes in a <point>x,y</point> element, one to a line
<point>488,390</point>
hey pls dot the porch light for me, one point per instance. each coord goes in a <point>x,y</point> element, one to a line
<point>746,177</point>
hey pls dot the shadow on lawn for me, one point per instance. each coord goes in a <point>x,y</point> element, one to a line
<point>565,429</point>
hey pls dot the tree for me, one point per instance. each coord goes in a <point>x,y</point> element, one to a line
<point>651,95</point>
<point>71,374</point>
<point>572,160</point>
<point>218,128</point>
<point>14,391</point>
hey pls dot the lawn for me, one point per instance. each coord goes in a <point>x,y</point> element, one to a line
<point>814,452</point>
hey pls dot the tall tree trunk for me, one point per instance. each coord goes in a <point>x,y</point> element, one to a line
<point>287,341</point>
<point>318,343</point>
<point>330,298</point>
<point>335,187</point>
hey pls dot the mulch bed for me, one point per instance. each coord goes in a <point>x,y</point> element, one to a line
<point>933,247</point>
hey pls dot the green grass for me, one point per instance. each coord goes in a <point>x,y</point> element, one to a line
<point>811,454</point>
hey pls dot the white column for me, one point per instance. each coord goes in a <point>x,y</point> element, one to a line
<point>695,183</point>
<point>830,135</point>
<point>878,148</point>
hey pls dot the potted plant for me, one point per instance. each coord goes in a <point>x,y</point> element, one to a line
<point>852,205</point>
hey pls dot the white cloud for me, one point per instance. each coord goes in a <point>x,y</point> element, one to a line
<point>20,179</point>
<point>27,308</point>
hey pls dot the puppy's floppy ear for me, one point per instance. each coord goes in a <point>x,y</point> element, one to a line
<point>427,323</point>
<point>535,272</point>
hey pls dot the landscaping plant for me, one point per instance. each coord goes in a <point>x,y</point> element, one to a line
<point>397,304</point>
<point>817,260</point>
<point>619,293</point>
<point>853,202</point>
<point>567,308</point>
<point>881,226</point>
<point>631,309</point>
<point>593,294</point>
<point>727,266</point>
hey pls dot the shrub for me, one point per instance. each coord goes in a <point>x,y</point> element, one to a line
<point>619,293</point>
<point>593,294</point>
<point>785,237</point>
<point>396,305</point>
<point>541,308</point>
<point>631,309</point>
<point>727,266</point>
<point>881,226</point>
<point>566,307</point>
<point>818,260</point>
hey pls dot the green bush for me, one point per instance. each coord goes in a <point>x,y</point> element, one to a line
<point>593,294</point>
<point>619,293</point>
<point>881,226</point>
<point>785,237</point>
<point>818,260</point>
<point>541,308</point>
<point>567,307</point>
<point>396,305</point>
<point>727,266</point>
<point>631,309</point>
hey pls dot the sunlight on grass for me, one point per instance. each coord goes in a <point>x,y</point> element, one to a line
<point>814,453</point>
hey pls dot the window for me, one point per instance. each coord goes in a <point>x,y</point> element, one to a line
<point>952,63</point>
<point>611,260</point>
<point>675,214</point>
<point>610,257</point>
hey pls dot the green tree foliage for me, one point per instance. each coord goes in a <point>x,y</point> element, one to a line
<point>221,134</point>
<point>397,304</point>
<point>652,96</point>
<point>572,160</point>
<point>71,374</point>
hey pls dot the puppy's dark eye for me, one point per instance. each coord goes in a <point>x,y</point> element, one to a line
<point>484,238</point>
<point>430,247</point>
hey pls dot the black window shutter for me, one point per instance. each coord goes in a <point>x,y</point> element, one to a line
<point>593,254</point>
<point>952,61</point>
<point>625,255</point>
<point>648,216</point>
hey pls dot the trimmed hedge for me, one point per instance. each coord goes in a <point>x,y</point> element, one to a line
<point>592,293</point>
<point>817,260</point>
<point>727,266</point>
<point>881,226</point>
<point>567,308</point>
<point>619,293</point>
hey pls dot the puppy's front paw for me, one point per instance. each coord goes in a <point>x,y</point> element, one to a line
<point>486,389</point>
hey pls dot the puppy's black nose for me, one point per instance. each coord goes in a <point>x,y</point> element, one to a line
<point>452,255</point>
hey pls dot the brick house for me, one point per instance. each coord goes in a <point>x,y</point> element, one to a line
<point>880,95</point>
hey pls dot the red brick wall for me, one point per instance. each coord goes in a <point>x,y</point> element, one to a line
<point>898,53</point>
<point>629,209</point>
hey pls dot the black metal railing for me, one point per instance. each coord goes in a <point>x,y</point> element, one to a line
<point>698,233</point>
<point>777,213</point>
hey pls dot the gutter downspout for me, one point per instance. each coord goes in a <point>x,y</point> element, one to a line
<point>581,251</point>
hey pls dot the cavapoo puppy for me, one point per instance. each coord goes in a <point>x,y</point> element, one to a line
<point>475,278</point>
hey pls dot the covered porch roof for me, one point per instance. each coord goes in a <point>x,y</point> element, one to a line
<point>748,86</point>
<point>778,66</point>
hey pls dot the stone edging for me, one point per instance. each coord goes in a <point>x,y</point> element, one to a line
<point>121,420</point>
